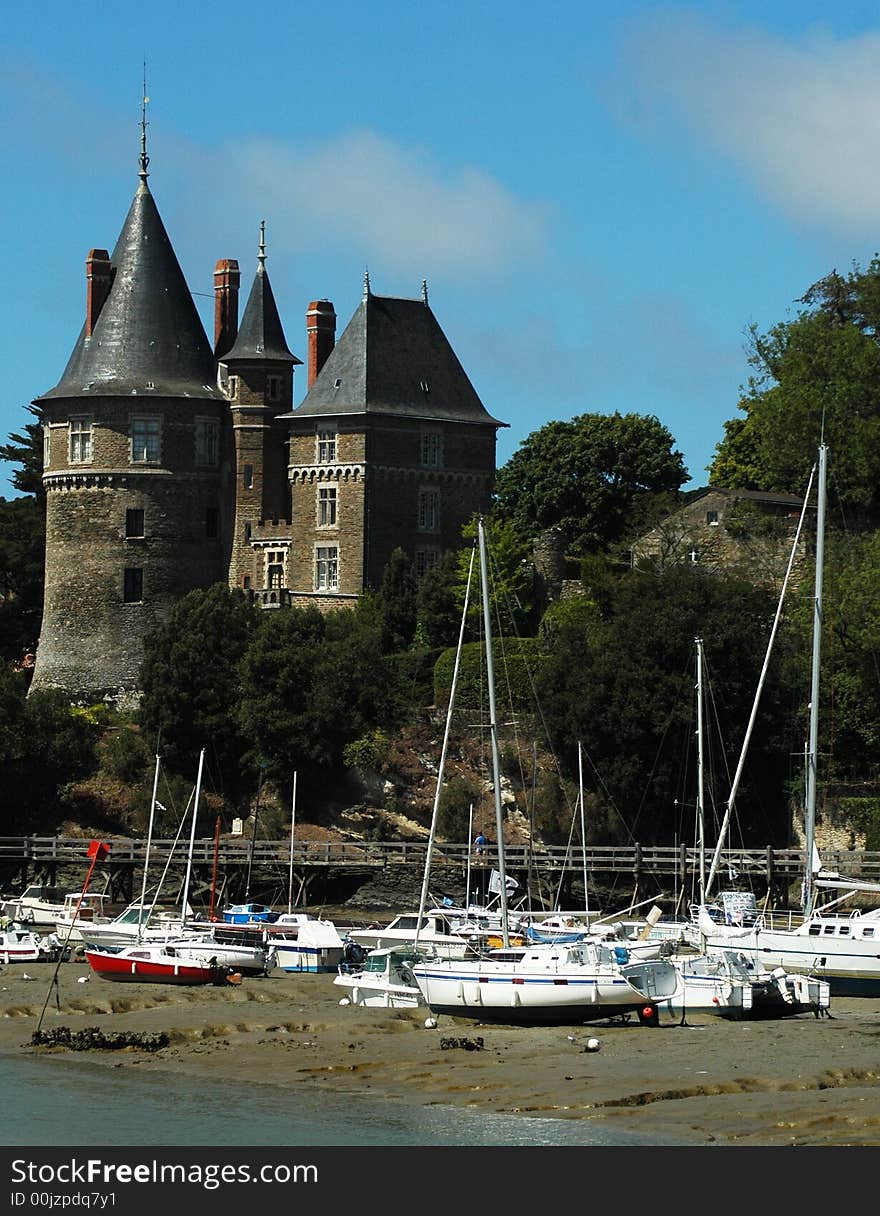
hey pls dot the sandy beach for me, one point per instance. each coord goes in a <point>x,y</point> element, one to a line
<point>800,1081</point>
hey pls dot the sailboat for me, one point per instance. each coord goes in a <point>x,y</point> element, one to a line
<point>174,960</point>
<point>563,983</point>
<point>843,950</point>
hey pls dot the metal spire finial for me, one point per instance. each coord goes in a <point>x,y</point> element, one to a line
<point>145,160</point>
<point>261,256</point>
<point>424,291</point>
<point>366,283</point>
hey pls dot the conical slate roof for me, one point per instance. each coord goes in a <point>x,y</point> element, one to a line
<point>260,334</point>
<point>148,337</point>
<point>393,358</point>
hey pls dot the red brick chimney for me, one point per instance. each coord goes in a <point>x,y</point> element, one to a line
<point>321,330</point>
<point>226,281</point>
<point>99,276</point>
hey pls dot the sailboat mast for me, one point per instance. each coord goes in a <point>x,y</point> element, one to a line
<point>813,747</point>
<point>701,817</point>
<point>493,732</point>
<point>438,792</point>
<point>583,830</point>
<point>192,839</point>
<point>149,845</point>
<point>292,825</point>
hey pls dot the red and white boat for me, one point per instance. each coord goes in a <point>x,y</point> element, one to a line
<point>158,964</point>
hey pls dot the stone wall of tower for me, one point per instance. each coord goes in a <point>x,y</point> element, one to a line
<point>261,492</point>
<point>380,473</point>
<point>397,477</point>
<point>91,643</point>
<point>345,474</point>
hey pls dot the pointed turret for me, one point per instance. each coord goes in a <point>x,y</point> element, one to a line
<point>261,334</point>
<point>147,336</point>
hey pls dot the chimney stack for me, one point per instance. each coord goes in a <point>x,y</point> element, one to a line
<point>321,331</point>
<point>99,276</point>
<point>226,281</point>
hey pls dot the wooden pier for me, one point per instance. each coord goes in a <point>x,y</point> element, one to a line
<point>223,864</point>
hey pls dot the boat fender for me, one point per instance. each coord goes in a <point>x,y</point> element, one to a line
<point>234,977</point>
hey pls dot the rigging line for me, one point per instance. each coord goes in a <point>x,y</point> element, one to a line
<point>733,790</point>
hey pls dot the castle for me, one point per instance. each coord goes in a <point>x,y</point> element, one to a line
<point>171,465</point>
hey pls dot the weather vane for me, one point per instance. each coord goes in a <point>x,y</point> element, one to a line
<point>145,160</point>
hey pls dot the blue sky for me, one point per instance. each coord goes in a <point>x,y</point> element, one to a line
<point>602,197</point>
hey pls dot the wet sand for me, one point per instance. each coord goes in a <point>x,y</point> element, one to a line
<point>799,1081</point>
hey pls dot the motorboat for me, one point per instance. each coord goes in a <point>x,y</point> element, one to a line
<point>157,964</point>
<point>38,905</point>
<point>727,982</point>
<point>381,979</point>
<point>249,914</point>
<point>436,929</point>
<point>21,945</point>
<point>80,910</point>
<point>139,923</point>
<point>315,946</point>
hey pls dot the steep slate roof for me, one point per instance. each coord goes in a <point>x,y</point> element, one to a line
<point>260,335</point>
<point>388,351</point>
<point>148,330</point>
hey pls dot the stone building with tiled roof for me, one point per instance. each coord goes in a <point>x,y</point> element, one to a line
<point>172,465</point>
<point>747,530</point>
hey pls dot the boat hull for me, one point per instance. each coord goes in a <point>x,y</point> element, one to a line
<point>124,969</point>
<point>293,956</point>
<point>543,995</point>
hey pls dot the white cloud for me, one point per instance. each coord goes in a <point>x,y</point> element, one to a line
<point>394,206</point>
<point>800,117</point>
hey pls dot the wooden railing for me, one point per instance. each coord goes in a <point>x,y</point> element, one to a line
<point>768,864</point>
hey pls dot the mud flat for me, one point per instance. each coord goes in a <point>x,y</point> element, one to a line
<point>801,1081</point>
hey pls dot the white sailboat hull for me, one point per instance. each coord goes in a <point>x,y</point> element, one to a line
<point>545,985</point>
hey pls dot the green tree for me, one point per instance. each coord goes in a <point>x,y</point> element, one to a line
<point>44,744</point>
<point>438,608</point>
<point>22,559</point>
<point>192,687</point>
<point>26,451</point>
<point>622,684</point>
<point>313,683</point>
<point>592,476</point>
<point>396,602</point>
<point>22,543</point>
<point>511,578</point>
<point>816,375</point>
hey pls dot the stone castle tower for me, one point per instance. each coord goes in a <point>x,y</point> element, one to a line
<point>171,466</point>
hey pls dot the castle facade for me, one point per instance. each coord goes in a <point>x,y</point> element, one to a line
<point>171,464</point>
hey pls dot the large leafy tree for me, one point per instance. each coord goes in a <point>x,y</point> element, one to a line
<point>594,477</point>
<point>311,683</point>
<point>22,544</point>
<point>618,677</point>
<point>192,688</point>
<point>44,743</point>
<point>816,375</point>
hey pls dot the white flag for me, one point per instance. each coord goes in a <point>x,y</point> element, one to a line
<point>494,884</point>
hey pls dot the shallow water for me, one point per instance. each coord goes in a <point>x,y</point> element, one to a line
<point>65,1101</point>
